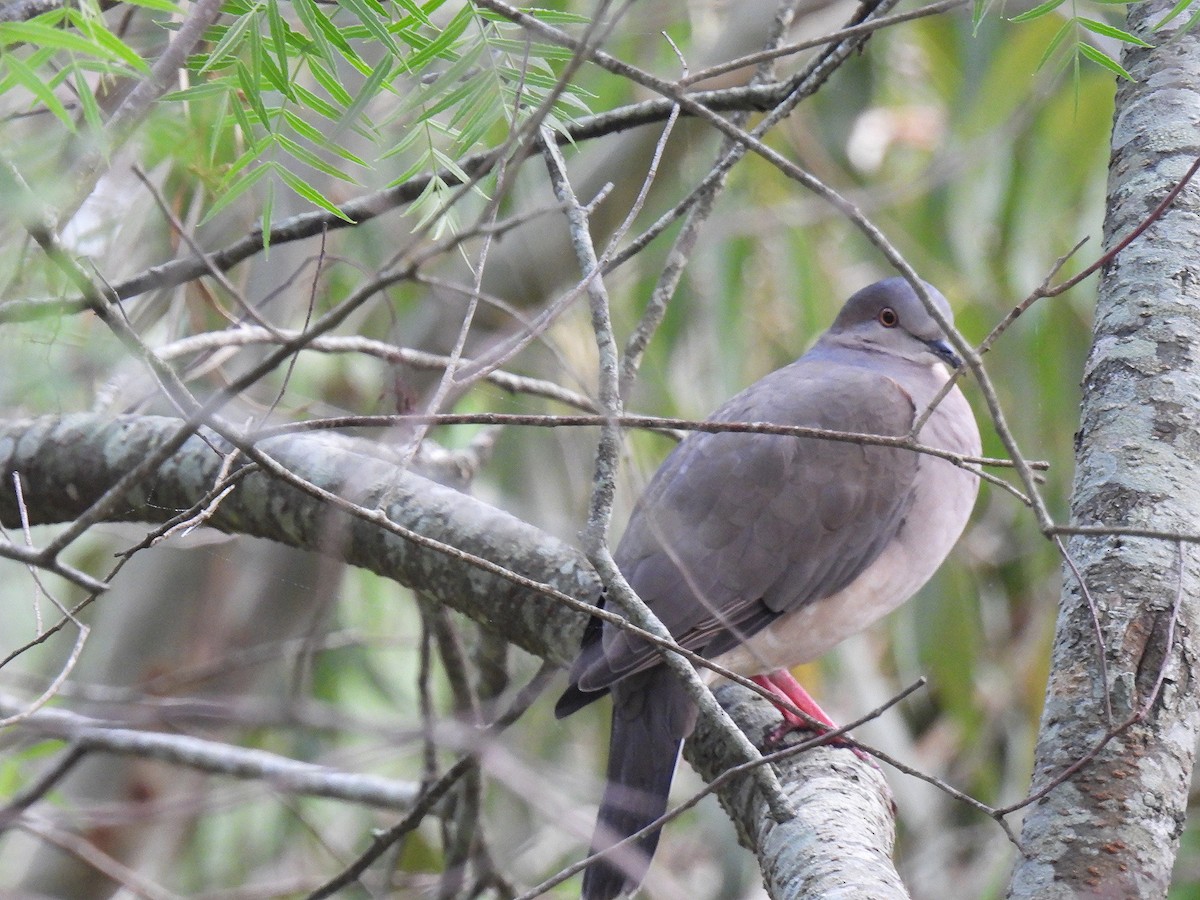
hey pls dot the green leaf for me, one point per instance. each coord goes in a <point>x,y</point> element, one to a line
<point>372,23</point>
<point>309,193</point>
<point>332,86</point>
<point>1100,59</point>
<point>369,89</point>
<point>308,14</point>
<point>251,95</point>
<point>1103,28</point>
<point>278,31</point>
<point>421,14</point>
<point>28,79</point>
<point>117,49</point>
<point>227,193</point>
<point>164,5</point>
<point>268,209</point>
<point>1175,11</point>
<point>311,101</point>
<point>441,45</point>
<point>42,35</point>
<point>311,133</point>
<point>1068,27</point>
<point>311,159</point>
<point>1038,11</point>
<point>87,101</point>
<point>198,91</point>
<point>230,42</point>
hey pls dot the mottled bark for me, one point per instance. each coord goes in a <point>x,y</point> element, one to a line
<point>1112,829</point>
<point>839,842</point>
<point>67,462</point>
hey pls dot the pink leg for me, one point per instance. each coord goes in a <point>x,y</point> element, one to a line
<point>783,684</point>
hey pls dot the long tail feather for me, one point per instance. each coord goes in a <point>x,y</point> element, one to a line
<point>652,714</point>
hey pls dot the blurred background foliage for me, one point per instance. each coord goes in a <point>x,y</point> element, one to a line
<point>982,166</point>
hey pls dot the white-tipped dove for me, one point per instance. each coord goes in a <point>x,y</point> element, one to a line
<point>761,552</point>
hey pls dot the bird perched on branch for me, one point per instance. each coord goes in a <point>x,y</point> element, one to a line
<point>761,552</point>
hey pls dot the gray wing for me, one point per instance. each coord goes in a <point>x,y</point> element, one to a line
<point>736,529</point>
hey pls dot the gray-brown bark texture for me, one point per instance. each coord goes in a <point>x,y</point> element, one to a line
<point>1112,829</point>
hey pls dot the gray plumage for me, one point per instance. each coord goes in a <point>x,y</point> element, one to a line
<point>764,551</point>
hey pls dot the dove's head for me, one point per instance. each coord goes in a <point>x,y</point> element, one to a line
<point>889,317</point>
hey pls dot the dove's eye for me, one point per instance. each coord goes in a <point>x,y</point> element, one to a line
<point>887,317</point>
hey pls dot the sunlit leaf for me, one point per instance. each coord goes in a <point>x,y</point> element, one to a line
<point>1107,62</point>
<point>1103,28</point>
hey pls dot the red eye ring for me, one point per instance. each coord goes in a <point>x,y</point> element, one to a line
<point>887,317</point>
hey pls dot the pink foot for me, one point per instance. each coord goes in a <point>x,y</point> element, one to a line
<point>783,684</point>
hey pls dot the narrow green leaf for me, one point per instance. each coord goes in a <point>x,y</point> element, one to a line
<point>268,209</point>
<point>320,139</point>
<point>87,101</point>
<point>167,6</point>
<point>251,154</point>
<point>332,86</point>
<point>1100,59</point>
<point>312,160</point>
<point>117,48</point>
<point>337,38</point>
<point>251,95</point>
<point>27,78</point>
<point>237,111</point>
<point>278,31</point>
<point>221,115</point>
<point>231,41</point>
<point>451,98</point>
<point>1038,11</point>
<point>1175,11</point>
<point>309,100</point>
<point>411,135</point>
<point>419,13</point>
<point>1055,42</point>
<point>372,23</point>
<point>42,35</point>
<point>227,193</point>
<point>308,14</point>
<point>442,44</point>
<point>369,89</point>
<point>198,91</point>
<point>309,193</point>
<point>1107,30</point>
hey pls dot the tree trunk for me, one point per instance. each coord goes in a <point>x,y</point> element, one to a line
<point>1112,828</point>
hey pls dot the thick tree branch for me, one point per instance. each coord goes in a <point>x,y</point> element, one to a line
<point>1114,803</point>
<point>65,463</point>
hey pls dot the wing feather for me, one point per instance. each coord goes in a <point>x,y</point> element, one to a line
<point>736,529</point>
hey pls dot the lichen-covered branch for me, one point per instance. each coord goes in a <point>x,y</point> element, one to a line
<point>1129,604</point>
<point>67,462</point>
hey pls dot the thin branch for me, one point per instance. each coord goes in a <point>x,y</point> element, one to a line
<point>433,794</point>
<point>215,758</point>
<point>866,29</point>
